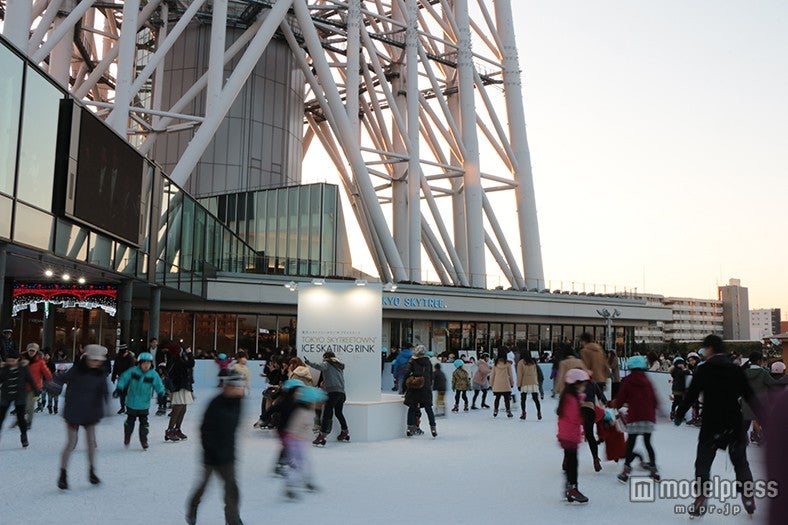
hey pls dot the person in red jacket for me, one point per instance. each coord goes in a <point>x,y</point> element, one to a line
<point>40,373</point>
<point>570,428</point>
<point>638,394</point>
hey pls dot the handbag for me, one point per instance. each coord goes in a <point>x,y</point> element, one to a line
<point>414,382</point>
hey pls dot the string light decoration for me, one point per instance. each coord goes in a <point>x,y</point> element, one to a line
<point>28,295</point>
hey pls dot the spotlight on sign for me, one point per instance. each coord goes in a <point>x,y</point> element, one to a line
<point>389,287</point>
<point>319,282</point>
<point>49,273</point>
<point>361,282</point>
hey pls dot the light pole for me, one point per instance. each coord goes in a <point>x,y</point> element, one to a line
<point>609,316</point>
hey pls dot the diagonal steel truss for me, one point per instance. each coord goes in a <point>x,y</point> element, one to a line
<point>418,104</point>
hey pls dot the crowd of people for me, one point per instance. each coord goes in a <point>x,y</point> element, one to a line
<point>729,398</point>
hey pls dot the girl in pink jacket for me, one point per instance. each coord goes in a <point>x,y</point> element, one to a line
<point>570,429</point>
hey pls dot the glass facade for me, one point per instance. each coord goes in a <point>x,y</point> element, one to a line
<point>292,230</point>
<point>187,239</point>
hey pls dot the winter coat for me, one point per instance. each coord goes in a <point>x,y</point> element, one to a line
<point>722,384</point>
<point>596,362</point>
<point>679,384</point>
<point>401,363</point>
<point>6,345</point>
<point>300,422</point>
<point>139,387</point>
<point>13,382</point>
<point>565,366</point>
<point>759,380</point>
<point>419,366</point>
<point>527,375</point>
<point>244,371</point>
<point>86,394</point>
<point>615,372</point>
<point>332,372</point>
<point>639,395</point>
<point>460,380</point>
<point>483,370</point>
<point>217,431</point>
<point>501,379</point>
<point>122,364</point>
<point>302,373</point>
<point>40,372</point>
<point>438,380</point>
<point>274,376</point>
<point>776,428</point>
<point>180,371</point>
<point>570,421</point>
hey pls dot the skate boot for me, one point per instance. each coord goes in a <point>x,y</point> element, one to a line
<point>456,409</point>
<point>126,439</point>
<point>170,435</point>
<point>597,465</point>
<point>624,476</point>
<point>748,502</point>
<point>161,411</point>
<point>495,413</point>
<point>653,473</point>
<point>260,423</point>
<point>465,409</point>
<point>411,431</point>
<point>418,431</point>
<point>474,407</point>
<point>93,478</point>
<point>24,440</point>
<point>509,414</point>
<point>49,409</point>
<point>539,415</point>
<point>522,416</point>
<point>62,482</point>
<point>180,434</point>
<point>344,436</point>
<point>144,443</point>
<point>320,440</point>
<point>698,507</point>
<point>574,496</point>
<point>434,431</point>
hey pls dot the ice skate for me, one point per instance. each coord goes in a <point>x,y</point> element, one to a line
<point>434,431</point>
<point>170,435</point>
<point>62,482</point>
<point>320,440</point>
<point>698,507</point>
<point>653,473</point>
<point>465,409</point>
<point>574,496</point>
<point>344,436</point>
<point>509,414</point>
<point>748,502</point>
<point>624,476</point>
<point>456,409</point>
<point>597,465</point>
<point>94,480</point>
<point>259,423</point>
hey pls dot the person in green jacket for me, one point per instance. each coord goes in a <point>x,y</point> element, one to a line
<point>139,383</point>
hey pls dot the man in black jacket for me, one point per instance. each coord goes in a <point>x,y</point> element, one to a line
<point>722,384</point>
<point>218,442</point>
<point>7,343</point>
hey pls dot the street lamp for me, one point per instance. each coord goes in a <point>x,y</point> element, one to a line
<point>609,316</point>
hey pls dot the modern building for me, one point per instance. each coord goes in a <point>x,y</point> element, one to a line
<point>735,310</point>
<point>153,152</point>
<point>764,323</point>
<point>691,320</point>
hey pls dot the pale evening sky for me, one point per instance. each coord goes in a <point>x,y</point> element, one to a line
<point>659,141</point>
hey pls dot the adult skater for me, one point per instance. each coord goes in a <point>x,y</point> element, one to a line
<point>138,384</point>
<point>179,370</point>
<point>418,391</point>
<point>332,372</point>
<point>13,379</point>
<point>722,384</point>
<point>776,429</point>
<point>502,382</point>
<point>86,396</point>
<point>481,381</point>
<point>40,373</point>
<point>528,373</point>
<point>217,433</point>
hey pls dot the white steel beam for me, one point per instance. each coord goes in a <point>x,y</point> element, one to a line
<point>66,28</point>
<point>118,119</point>
<point>16,25</point>
<point>216,56</point>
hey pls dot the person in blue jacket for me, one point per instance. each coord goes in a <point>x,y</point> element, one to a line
<point>399,365</point>
<point>138,383</point>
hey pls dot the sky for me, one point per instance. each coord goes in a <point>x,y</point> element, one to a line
<point>658,136</point>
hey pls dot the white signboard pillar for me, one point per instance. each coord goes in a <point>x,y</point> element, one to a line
<point>345,319</point>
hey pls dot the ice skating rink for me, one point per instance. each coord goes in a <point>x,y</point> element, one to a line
<point>478,470</point>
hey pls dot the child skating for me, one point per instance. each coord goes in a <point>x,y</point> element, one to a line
<point>570,429</point>
<point>138,383</point>
<point>460,383</point>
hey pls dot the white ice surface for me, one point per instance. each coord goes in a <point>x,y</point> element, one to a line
<point>478,470</point>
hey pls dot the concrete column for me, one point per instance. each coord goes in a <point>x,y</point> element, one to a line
<point>124,309</point>
<point>6,289</point>
<point>154,313</point>
<point>48,336</point>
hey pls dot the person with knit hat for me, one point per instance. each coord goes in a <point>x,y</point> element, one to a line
<point>14,378</point>
<point>138,383</point>
<point>40,373</point>
<point>86,397</point>
<point>570,429</point>
<point>418,391</point>
<point>638,394</point>
<point>460,383</point>
<point>333,377</point>
<point>217,435</point>
<point>7,343</point>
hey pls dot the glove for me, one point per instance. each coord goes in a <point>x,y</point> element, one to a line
<point>116,393</point>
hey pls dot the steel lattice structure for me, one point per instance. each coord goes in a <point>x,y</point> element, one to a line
<point>403,96</point>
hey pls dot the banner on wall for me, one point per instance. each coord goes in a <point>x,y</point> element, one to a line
<point>345,319</point>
